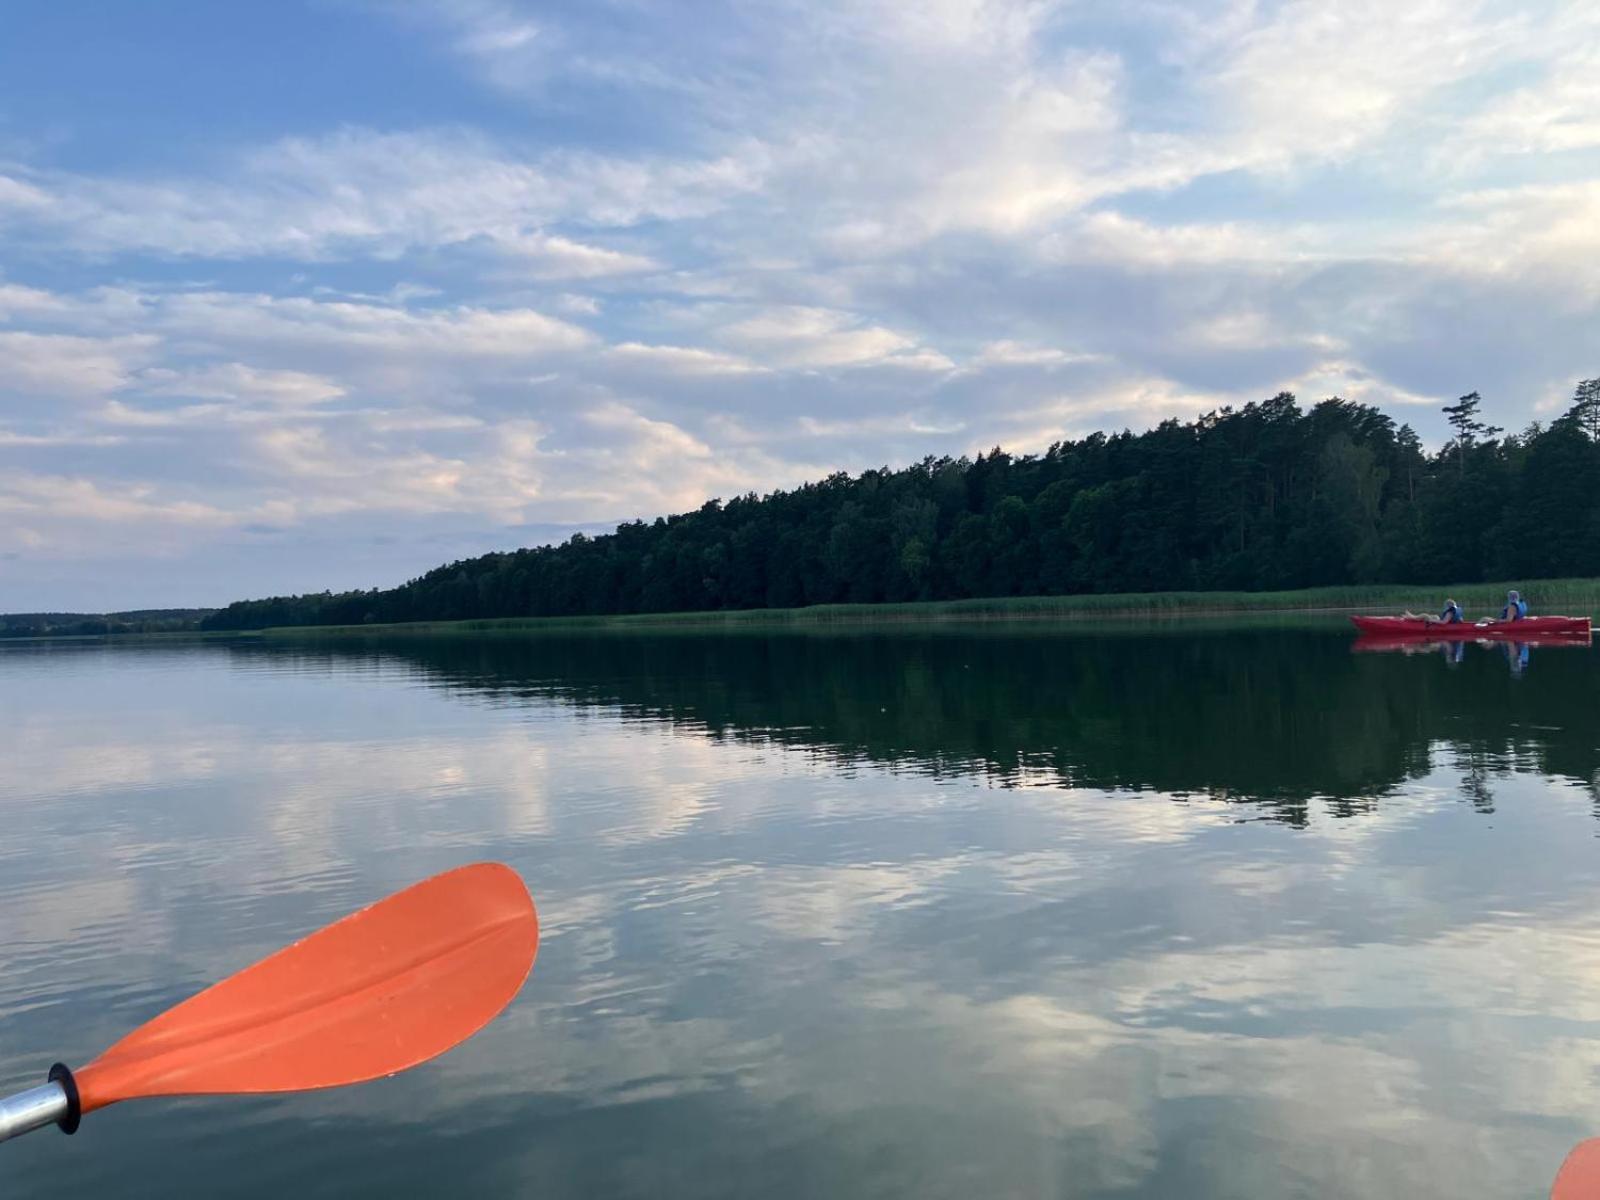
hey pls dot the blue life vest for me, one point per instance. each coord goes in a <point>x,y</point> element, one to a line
<point>1451,614</point>
<point>1514,612</point>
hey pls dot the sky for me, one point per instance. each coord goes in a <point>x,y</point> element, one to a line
<point>322,293</point>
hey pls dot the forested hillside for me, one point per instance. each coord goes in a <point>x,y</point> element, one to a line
<point>1269,496</point>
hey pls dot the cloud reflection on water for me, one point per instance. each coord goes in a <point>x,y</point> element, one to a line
<point>812,965</point>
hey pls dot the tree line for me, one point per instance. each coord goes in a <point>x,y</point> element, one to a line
<point>1264,497</point>
<point>59,624</point>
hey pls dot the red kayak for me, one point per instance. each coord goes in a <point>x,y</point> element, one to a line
<point>1515,631</point>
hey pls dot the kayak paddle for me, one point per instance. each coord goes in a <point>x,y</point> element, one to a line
<point>378,991</point>
<point>1579,1177</point>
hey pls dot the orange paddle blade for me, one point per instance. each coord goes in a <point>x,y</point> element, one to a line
<point>374,993</point>
<point>1579,1177</point>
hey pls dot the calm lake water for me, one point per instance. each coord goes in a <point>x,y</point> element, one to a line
<point>1202,912</point>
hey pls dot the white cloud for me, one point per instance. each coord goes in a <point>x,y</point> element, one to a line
<point>1335,375</point>
<point>38,364</point>
<point>920,359</point>
<point>1374,65</point>
<point>578,305</point>
<point>504,44</point>
<point>642,465</point>
<point>898,424</point>
<point>62,497</point>
<point>358,192</point>
<point>1559,113</point>
<point>238,381</point>
<point>1009,353</point>
<point>809,337</point>
<point>418,421</point>
<point>16,300</point>
<point>315,466</point>
<point>551,257</point>
<point>20,196</point>
<point>9,439</point>
<point>1238,329</point>
<point>1535,228</point>
<point>682,360</point>
<point>828,235</point>
<point>1127,402</point>
<point>450,333</point>
<point>1113,238</point>
<point>499,38</point>
<point>115,412</point>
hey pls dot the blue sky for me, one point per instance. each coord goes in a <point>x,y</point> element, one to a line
<point>320,294</point>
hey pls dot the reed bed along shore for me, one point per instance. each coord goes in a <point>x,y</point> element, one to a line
<point>1577,597</point>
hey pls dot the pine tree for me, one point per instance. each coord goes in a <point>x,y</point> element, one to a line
<point>1585,410</point>
<point>1463,417</point>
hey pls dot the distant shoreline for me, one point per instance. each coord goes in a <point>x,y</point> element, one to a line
<point>1577,597</point>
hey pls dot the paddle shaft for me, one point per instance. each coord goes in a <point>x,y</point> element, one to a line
<point>33,1109</point>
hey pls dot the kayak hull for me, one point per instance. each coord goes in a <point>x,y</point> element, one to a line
<point>1397,628</point>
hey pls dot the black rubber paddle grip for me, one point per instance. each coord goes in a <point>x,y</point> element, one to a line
<point>62,1074</point>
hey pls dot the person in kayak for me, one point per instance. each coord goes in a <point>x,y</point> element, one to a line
<point>1451,615</point>
<point>1516,607</point>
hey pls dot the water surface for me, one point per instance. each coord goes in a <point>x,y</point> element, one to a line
<point>1017,911</point>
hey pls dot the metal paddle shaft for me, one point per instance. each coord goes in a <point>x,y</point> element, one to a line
<point>32,1109</point>
<point>53,1103</point>
<point>379,991</point>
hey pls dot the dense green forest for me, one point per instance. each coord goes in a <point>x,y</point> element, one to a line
<point>1268,496</point>
<point>54,624</point>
